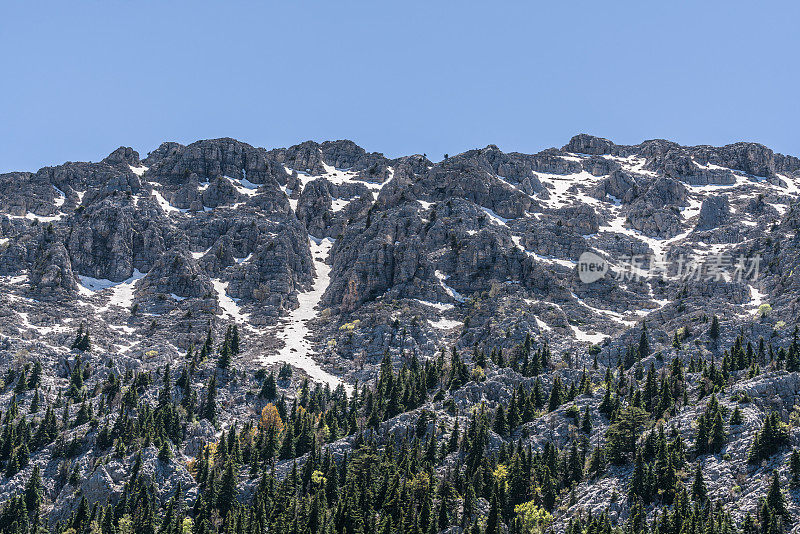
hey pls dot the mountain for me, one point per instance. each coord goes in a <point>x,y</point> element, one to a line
<point>217,332</point>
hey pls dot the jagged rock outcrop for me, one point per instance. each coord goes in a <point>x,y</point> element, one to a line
<point>589,144</point>
<point>714,212</point>
<point>175,273</point>
<point>51,273</point>
<point>174,164</point>
<point>102,239</point>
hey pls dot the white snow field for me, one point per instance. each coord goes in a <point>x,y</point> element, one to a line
<point>297,350</point>
<point>229,306</point>
<point>121,293</point>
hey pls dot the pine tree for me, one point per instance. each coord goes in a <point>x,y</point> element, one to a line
<point>452,443</point>
<point>699,491</point>
<point>209,407</point>
<point>621,435</point>
<point>718,438</point>
<point>775,498</point>
<point>644,343</point>
<point>772,436</point>
<point>586,422</point>
<point>235,339</point>
<point>224,361</point>
<point>555,395</point>
<point>287,445</point>
<point>78,338</point>
<point>794,467</point>
<point>35,380</point>
<point>736,417</point>
<point>165,451</point>
<point>444,506</point>
<point>636,488</point>
<point>35,403</point>
<point>701,439</point>
<point>34,491</point>
<point>209,343</point>
<point>493,522</point>
<point>500,425</point>
<point>22,383</point>
<point>226,496</point>
<point>75,389</point>
<point>713,332</point>
<point>269,390</point>
<point>165,396</point>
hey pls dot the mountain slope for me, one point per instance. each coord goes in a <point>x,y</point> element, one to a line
<point>457,282</point>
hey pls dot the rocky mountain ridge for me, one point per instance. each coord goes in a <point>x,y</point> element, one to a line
<point>333,260</point>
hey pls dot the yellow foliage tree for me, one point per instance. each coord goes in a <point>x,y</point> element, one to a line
<point>532,519</point>
<point>271,418</point>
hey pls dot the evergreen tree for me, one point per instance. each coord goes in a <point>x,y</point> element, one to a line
<point>165,451</point>
<point>621,435</point>
<point>794,467</point>
<point>775,498</point>
<point>22,383</point>
<point>713,332</point>
<point>699,491</point>
<point>35,380</point>
<point>226,496</point>
<point>644,343</point>
<point>500,425</point>
<point>586,421</point>
<point>773,435</point>
<point>718,438</point>
<point>225,351</point>
<point>269,390</point>
<point>636,488</point>
<point>235,339</point>
<point>493,522</point>
<point>556,395</point>
<point>209,406</point>
<point>701,439</point>
<point>736,417</point>
<point>34,491</point>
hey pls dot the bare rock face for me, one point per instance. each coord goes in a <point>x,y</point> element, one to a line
<point>173,164</point>
<point>311,158</point>
<point>123,155</point>
<point>219,193</point>
<point>101,242</point>
<point>619,185</point>
<point>518,169</point>
<point>314,206</point>
<point>580,218</point>
<point>462,179</point>
<point>714,212</point>
<point>176,273</point>
<point>51,274</point>
<point>589,144</point>
<point>22,193</point>
<point>277,268</point>
<point>325,208</point>
<point>677,163</point>
<point>752,158</point>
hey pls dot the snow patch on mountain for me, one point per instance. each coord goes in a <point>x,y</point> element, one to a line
<point>297,349</point>
<point>138,171</point>
<point>230,306</point>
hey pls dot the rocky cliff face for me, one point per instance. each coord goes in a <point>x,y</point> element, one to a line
<point>148,254</point>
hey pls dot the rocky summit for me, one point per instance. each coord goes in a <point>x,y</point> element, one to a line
<point>224,338</point>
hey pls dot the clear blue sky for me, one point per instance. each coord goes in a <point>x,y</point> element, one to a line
<point>82,78</point>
